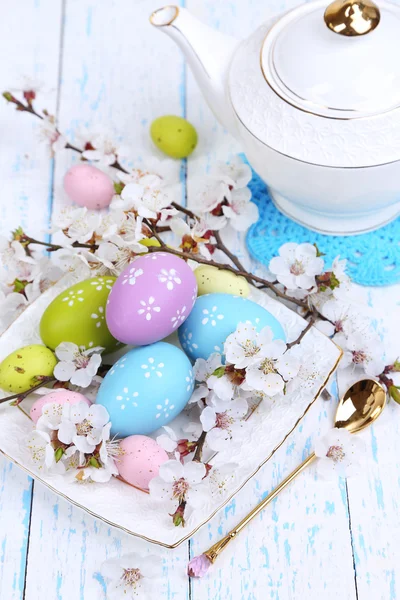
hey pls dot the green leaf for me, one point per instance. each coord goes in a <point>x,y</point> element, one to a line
<point>219,372</point>
<point>19,285</point>
<point>58,454</point>
<point>394,393</point>
<point>334,281</point>
<point>118,187</point>
<point>396,365</point>
<point>9,97</point>
<point>93,462</point>
<point>319,253</point>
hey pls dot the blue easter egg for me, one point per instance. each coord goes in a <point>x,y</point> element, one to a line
<point>146,388</point>
<point>215,316</point>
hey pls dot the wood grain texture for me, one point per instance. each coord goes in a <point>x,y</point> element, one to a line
<point>26,172</point>
<point>102,63</point>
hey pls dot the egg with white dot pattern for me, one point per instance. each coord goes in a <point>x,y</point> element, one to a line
<point>215,316</point>
<point>151,298</point>
<point>146,388</point>
<point>78,315</point>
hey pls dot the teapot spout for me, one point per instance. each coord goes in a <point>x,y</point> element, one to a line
<point>208,53</point>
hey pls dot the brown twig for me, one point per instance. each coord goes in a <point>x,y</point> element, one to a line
<point>23,395</point>
<point>184,210</point>
<point>199,448</point>
<point>221,246</point>
<point>240,270</point>
<point>249,276</point>
<point>54,247</point>
<point>154,232</point>
<point>303,333</point>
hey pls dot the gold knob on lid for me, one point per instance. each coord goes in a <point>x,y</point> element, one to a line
<point>352,17</point>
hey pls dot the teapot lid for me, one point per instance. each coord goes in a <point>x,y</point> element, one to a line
<point>340,62</point>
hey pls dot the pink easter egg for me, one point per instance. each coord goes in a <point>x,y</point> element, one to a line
<point>151,298</point>
<point>141,460</point>
<point>88,186</point>
<point>61,397</point>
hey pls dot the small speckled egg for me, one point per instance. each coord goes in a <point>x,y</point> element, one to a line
<point>151,298</point>
<point>141,460</point>
<point>211,280</point>
<point>88,186</point>
<point>78,315</point>
<point>19,369</point>
<point>215,316</point>
<point>146,389</point>
<point>59,396</point>
<point>174,136</point>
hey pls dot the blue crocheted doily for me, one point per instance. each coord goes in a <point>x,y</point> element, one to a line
<point>373,258</point>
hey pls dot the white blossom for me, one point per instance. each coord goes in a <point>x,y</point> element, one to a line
<point>363,350</point>
<point>42,452</point>
<point>339,453</point>
<point>177,482</point>
<point>235,174</point>
<point>224,422</point>
<point>246,345</point>
<point>297,265</point>
<point>148,201</point>
<point>273,367</point>
<point>168,440</point>
<point>51,417</point>
<point>50,133</point>
<point>222,386</point>
<point>77,366</point>
<point>106,151</point>
<point>83,426</point>
<point>344,318</point>
<point>203,369</point>
<point>133,576</point>
<point>240,211</point>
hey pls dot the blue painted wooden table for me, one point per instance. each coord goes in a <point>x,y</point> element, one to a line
<point>101,62</point>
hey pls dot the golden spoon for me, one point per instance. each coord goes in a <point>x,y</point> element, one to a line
<point>360,406</point>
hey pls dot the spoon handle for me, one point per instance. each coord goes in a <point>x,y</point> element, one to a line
<point>215,550</point>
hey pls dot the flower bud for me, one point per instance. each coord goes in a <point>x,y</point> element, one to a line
<point>394,393</point>
<point>9,97</point>
<point>58,454</point>
<point>178,516</point>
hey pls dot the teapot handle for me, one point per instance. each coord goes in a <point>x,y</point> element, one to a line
<point>352,17</point>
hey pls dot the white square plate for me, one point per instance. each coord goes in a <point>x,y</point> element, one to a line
<point>132,510</point>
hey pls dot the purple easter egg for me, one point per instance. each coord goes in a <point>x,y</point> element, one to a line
<point>151,298</point>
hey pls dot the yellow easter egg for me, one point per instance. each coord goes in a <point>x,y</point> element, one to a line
<point>19,370</point>
<point>211,280</point>
<point>174,136</point>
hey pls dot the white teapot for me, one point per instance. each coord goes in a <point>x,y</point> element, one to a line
<point>314,97</point>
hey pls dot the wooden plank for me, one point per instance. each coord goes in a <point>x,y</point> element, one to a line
<point>15,511</point>
<point>298,547</point>
<point>25,163</point>
<point>119,72</point>
<point>374,497</point>
<point>26,177</point>
<point>67,548</point>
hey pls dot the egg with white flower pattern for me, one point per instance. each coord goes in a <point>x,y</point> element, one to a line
<point>77,315</point>
<point>215,316</point>
<point>151,298</point>
<point>146,389</point>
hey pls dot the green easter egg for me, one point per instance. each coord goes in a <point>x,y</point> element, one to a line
<point>211,280</point>
<point>19,369</point>
<point>174,136</point>
<point>78,315</point>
